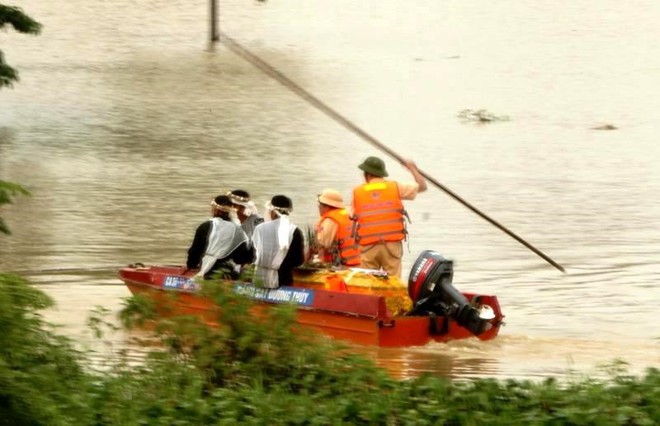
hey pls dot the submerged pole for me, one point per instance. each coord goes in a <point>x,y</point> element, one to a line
<point>214,28</point>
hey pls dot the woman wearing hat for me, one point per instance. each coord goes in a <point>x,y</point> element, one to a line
<point>379,213</point>
<point>334,231</point>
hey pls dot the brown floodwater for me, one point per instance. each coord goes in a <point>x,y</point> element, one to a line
<point>126,123</point>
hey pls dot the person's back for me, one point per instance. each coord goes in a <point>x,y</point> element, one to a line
<point>380,215</point>
<point>334,231</point>
<point>279,246</point>
<point>219,243</point>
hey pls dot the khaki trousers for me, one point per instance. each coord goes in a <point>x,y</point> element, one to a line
<point>383,255</point>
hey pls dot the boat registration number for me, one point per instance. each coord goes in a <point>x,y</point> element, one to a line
<point>180,283</point>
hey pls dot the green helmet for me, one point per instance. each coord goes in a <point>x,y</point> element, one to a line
<point>374,166</point>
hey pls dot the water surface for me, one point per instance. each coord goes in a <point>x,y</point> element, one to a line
<point>126,123</point>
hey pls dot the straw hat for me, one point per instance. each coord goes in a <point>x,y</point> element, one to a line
<point>331,198</point>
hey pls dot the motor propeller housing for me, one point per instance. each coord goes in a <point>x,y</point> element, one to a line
<point>432,293</point>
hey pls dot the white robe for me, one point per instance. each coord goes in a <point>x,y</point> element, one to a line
<point>271,241</point>
<point>224,238</point>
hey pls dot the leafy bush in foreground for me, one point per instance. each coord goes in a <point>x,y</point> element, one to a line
<point>40,372</point>
<point>258,368</point>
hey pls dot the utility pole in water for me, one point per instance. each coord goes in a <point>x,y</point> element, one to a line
<point>215,25</point>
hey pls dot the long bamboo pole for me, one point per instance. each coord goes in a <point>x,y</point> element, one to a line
<point>235,47</point>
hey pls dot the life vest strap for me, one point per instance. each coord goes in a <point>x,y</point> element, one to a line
<point>379,212</point>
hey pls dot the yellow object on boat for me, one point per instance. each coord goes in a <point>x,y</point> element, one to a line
<point>358,281</point>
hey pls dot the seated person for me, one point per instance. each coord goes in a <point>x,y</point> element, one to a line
<point>219,243</point>
<point>279,245</point>
<point>334,231</point>
<point>246,210</point>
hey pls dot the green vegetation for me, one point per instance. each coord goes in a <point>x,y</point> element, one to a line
<point>23,24</point>
<point>40,372</point>
<point>8,191</point>
<point>259,368</point>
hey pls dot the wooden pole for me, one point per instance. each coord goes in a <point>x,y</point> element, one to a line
<point>214,10</point>
<point>284,80</point>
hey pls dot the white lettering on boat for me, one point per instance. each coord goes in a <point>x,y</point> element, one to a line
<point>299,296</point>
<point>180,283</point>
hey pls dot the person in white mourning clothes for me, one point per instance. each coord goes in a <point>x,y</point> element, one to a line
<point>279,245</point>
<point>246,210</point>
<point>219,243</point>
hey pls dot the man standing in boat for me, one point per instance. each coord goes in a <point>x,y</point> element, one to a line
<point>334,231</point>
<point>380,216</point>
<point>279,245</point>
<point>218,242</point>
<point>246,210</point>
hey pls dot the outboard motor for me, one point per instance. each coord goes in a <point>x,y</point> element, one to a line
<point>432,293</point>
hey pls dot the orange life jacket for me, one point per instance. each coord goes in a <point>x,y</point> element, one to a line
<point>379,213</point>
<point>345,250</point>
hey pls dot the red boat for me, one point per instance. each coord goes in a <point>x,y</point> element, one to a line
<point>371,314</point>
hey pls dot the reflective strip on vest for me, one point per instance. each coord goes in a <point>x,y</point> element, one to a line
<point>345,250</point>
<point>379,213</point>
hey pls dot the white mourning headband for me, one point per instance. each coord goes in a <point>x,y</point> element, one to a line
<point>237,199</point>
<point>227,209</point>
<point>278,210</point>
